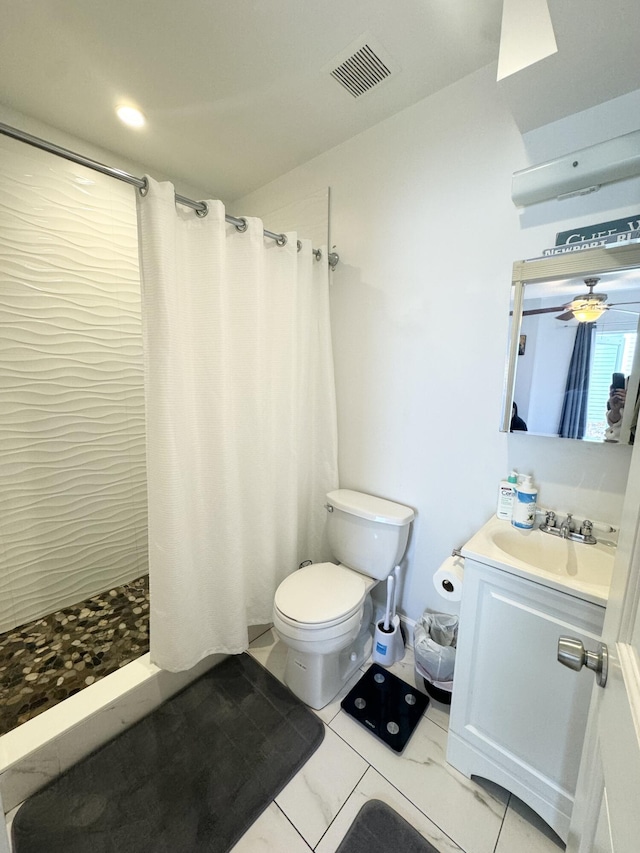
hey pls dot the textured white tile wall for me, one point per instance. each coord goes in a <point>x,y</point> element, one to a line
<point>72,455</point>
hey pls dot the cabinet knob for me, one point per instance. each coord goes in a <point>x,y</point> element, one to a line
<point>572,653</point>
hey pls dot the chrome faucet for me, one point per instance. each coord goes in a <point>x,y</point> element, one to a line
<point>567,526</point>
<point>567,530</point>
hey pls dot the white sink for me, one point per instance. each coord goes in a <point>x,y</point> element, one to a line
<point>573,567</point>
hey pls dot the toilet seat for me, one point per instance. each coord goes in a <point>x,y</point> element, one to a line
<point>320,596</point>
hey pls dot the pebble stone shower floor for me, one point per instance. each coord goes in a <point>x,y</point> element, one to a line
<point>45,661</point>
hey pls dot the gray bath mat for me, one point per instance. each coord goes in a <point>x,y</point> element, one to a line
<point>189,778</point>
<point>378,829</point>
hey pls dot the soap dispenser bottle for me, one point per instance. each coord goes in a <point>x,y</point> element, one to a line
<point>524,504</point>
<point>506,496</point>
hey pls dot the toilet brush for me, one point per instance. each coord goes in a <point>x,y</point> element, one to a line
<point>388,615</point>
<point>398,639</point>
<point>384,642</point>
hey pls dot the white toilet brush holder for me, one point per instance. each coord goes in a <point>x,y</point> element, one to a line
<point>385,643</point>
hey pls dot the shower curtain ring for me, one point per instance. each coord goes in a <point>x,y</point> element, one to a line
<point>242,225</point>
<point>202,211</point>
<point>144,189</point>
<point>282,240</point>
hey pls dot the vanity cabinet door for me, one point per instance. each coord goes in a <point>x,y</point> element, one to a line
<point>517,716</point>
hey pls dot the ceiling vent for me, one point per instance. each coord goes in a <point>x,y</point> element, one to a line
<point>362,66</point>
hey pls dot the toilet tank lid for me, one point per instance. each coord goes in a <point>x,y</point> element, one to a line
<point>370,507</point>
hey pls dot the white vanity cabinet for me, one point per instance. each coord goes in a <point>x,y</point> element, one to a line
<point>517,716</point>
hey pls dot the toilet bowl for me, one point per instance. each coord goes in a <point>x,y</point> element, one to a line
<point>319,607</point>
<point>323,612</point>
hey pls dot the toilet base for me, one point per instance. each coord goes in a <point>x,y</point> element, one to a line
<point>317,679</point>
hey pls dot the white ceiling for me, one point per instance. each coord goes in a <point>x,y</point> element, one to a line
<point>598,59</point>
<point>237,92</point>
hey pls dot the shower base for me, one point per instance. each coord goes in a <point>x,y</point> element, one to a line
<point>45,661</point>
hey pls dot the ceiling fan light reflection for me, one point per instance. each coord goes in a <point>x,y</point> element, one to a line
<point>588,311</point>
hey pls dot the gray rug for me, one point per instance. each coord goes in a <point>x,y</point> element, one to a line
<point>378,829</point>
<point>189,778</point>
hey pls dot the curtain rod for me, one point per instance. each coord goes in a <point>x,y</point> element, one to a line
<point>200,207</point>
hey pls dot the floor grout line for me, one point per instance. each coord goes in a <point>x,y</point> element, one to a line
<point>288,819</point>
<point>366,770</point>
<point>502,823</point>
<point>255,639</point>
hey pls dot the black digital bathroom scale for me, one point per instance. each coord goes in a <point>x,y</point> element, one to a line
<point>386,706</point>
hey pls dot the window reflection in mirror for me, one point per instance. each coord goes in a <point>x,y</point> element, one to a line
<point>561,378</point>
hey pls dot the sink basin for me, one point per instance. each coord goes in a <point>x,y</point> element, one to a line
<point>582,570</point>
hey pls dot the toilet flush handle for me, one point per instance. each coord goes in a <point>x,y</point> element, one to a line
<point>328,507</point>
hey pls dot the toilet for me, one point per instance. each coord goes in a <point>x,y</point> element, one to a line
<point>323,612</point>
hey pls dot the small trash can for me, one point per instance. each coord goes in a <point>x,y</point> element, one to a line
<point>434,646</point>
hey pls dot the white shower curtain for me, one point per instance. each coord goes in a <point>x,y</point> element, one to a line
<point>241,424</point>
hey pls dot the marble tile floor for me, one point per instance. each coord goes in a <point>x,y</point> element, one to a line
<point>455,814</point>
<point>44,661</point>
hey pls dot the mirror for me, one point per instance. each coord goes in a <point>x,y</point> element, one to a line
<point>560,370</point>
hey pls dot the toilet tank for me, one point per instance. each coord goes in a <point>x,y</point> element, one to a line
<point>366,533</point>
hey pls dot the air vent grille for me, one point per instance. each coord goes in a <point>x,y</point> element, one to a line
<point>361,71</point>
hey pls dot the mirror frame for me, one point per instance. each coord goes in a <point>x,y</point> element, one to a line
<point>582,263</point>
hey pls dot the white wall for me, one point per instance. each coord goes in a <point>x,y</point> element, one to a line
<point>423,220</point>
<point>541,376</point>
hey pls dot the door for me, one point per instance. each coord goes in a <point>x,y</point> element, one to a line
<point>606,816</point>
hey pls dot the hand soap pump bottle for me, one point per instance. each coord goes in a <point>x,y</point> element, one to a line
<point>524,505</point>
<point>506,496</point>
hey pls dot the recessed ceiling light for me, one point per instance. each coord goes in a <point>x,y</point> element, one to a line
<point>131,116</point>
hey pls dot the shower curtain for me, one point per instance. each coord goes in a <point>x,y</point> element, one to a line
<point>573,417</point>
<point>241,422</point>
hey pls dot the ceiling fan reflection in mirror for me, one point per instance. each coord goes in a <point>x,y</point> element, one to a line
<point>586,308</point>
